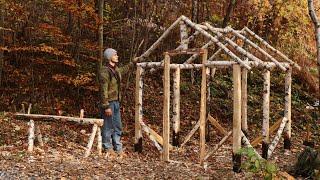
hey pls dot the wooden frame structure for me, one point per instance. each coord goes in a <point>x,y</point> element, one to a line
<point>35,131</point>
<point>220,38</point>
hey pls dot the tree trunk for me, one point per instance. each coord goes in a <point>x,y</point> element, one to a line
<point>166,108</point>
<point>195,13</point>
<point>195,19</point>
<point>316,23</point>
<point>2,44</point>
<point>101,4</point>
<point>226,19</point>
<point>70,23</point>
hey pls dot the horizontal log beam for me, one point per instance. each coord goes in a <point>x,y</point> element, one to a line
<point>99,122</point>
<point>185,51</point>
<point>211,64</point>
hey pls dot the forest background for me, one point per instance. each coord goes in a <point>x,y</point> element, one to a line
<point>49,48</point>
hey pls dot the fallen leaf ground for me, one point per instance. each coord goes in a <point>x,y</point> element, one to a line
<point>62,156</point>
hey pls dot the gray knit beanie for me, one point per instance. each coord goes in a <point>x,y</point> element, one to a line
<point>108,53</point>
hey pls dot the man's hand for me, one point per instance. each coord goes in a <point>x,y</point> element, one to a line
<point>108,112</point>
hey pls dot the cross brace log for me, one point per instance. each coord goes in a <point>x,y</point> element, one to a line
<point>195,128</point>
<point>156,136</point>
<point>217,146</point>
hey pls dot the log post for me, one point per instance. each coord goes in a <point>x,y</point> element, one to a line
<point>99,139</point>
<point>287,109</point>
<point>236,140</point>
<point>208,104</point>
<point>244,101</point>
<point>203,107</point>
<point>81,113</point>
<point>166,106</point>
<point>23,108</point>
<point>37,130</point>
<point>31,130</point>
<point>138,110</point>
<point>29,108</point>
<point>176,109</point>
<point>266,113</point>
<point>31,136</point>
<point>91,139</point>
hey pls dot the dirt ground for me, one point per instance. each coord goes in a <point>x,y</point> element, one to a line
<point>62,156</point>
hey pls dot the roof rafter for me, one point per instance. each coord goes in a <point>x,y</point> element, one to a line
<point>206,29</point>
<point>272,48</point>
<point>216,41</point>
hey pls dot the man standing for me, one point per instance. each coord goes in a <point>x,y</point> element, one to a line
<point>110,90</point>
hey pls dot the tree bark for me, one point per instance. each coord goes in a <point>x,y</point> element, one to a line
<point>166,108</point>
<point>176,108</point>
<point>226,19</point>
<point>316,24</point>
<point>138,110</point>
<point>31,136</point>
<point>1,44</point>
<point>203,107</point>
<point>101,4</point>
<point>266,113</point>
<point>215,40</point>
<point>236,132</point>
<point>195,12</point>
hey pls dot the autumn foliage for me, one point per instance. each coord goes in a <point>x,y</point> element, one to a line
<point>49,49</point>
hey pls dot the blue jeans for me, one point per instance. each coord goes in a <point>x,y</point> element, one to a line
<point>112,128</point>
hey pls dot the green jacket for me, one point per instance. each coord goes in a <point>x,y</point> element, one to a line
<point>110,83</point>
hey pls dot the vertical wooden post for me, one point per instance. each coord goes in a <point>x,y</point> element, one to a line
<point>166,106</point>
<point>31,131</point>
<point>23,108</point>
<point>208,101</point>
<point>183,35</point>
<point>212,72</point>
<point>244,101</point>
<point>287,109</point>
<point>138,110</point>
<point>203,107</point>
<point>29,108</point>
<point>31,136</point>
<point>236,140</point>
<point>176,108</point>
<point>91,139</point>
<point>99,141</point>
<point>266,113</point>
<point>81,113</point>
